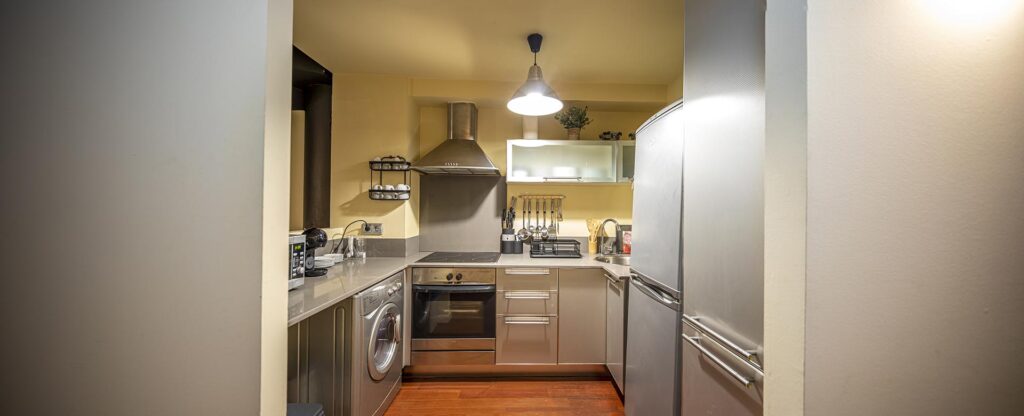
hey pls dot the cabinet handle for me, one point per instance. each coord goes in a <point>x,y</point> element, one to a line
<point>527,295</point>
<point>528,271</point>
<point>611,278</point>
<point>564,178</point>
<point>537,320</point>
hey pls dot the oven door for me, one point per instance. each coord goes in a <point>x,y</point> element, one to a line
<point>457,311</point>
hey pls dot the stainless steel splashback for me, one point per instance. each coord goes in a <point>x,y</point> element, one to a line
<point>461,213</point>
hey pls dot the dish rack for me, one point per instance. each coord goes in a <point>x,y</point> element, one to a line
<point>557,248</point>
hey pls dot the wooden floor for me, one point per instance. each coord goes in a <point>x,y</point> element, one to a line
<point>481,398</point>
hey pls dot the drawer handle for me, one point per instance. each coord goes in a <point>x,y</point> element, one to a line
<point>528,271</point>
<point>527,295</point>
<point>515,320</point>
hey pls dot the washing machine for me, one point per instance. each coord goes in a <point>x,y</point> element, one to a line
<point>376,348</point>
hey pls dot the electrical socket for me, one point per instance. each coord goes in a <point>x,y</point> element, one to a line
<point>373,228</point>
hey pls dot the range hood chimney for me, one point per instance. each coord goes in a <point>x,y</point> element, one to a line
<point>459,154</point>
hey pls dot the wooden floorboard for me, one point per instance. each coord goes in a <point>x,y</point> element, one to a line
<point>506,397</point>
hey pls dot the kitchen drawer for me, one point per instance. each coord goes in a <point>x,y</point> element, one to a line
<point>527,278</point>
<point>527,302</point>
<point>527,340</point>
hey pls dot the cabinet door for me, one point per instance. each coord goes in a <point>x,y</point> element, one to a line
<point>615,331</point>
<point>316,365</point>
<point>581,312</point>
<point>561,161</point>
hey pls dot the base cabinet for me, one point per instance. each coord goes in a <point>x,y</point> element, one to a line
<point>581,312</point>
<point>615,344</point>
<point>316,364</point>
<point>527,340</point>
<point>527,316</point>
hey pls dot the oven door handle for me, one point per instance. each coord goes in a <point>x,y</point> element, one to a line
<point>453,288</point>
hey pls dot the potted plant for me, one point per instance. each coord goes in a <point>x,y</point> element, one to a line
<point>573,119</point>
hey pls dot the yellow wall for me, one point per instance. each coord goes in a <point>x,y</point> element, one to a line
<point>378,115</point>
<point>674,90</point>
<point>374,116</point>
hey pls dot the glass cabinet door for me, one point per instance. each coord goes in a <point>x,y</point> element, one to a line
<point>562,161</point>
<point>626,160</point>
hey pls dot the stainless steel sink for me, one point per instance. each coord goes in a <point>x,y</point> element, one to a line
<point>619,259</point>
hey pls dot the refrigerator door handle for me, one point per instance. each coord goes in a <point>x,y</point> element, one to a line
<point>739,352</point>
<point>740,378</point>
<point>655,294</point>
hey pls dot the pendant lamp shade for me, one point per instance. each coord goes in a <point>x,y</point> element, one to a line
<point>535,97</point>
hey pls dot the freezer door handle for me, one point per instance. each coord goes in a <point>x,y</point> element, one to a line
<point>739,352</point>
<point>662,298</point>
<point>740,378</point>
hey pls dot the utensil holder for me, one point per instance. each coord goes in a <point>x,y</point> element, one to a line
<point>510,244</point>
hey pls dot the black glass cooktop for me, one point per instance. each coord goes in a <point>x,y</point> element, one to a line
<point>460,257</point>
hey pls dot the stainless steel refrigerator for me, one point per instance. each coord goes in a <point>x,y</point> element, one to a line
<point>723,209</point>
<point>695,302</point>
<point>652,328</point>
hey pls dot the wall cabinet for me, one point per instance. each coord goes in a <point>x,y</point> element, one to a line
<point>582,314</point>
<point>569,161</point>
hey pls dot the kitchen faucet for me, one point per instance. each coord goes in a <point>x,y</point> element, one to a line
<point>617,245</point>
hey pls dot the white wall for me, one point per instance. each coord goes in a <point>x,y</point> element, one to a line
<point>132,180</point>
<point>915,207</point>
<point>785,206</point>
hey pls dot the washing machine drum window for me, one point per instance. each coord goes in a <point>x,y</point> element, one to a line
<point>384,342</point>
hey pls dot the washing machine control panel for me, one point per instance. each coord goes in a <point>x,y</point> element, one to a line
<point>376,296</point>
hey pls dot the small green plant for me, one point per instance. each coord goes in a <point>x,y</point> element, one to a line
<point>573,117</point>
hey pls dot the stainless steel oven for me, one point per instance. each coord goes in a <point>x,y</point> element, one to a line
<point>453,316</point>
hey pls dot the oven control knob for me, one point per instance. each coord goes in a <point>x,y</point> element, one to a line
<point>458,276</point>
<point>448,277</point>
<point>391,292</point>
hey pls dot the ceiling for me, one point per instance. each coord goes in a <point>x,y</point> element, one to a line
<point>585,41</point>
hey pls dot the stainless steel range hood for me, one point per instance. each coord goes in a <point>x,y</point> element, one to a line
<point>459,154</point>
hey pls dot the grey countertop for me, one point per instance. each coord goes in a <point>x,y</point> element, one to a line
<point>352,276</point>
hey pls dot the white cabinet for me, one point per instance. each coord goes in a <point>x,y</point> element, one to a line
<point>568,161</point>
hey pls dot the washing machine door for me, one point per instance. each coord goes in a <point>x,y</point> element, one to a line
<point>385,340</point>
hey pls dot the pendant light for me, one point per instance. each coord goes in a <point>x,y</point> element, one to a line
<point>535,97</point>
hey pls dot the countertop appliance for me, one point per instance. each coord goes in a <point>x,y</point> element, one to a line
<point>297,261</point>
<point>652,329</point>
<point>376,354</point>
<point>315,238</point>
<point>453,316</point>
<point>460,257</point>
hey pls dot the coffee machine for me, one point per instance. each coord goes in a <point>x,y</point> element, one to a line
<point>315,238</point>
